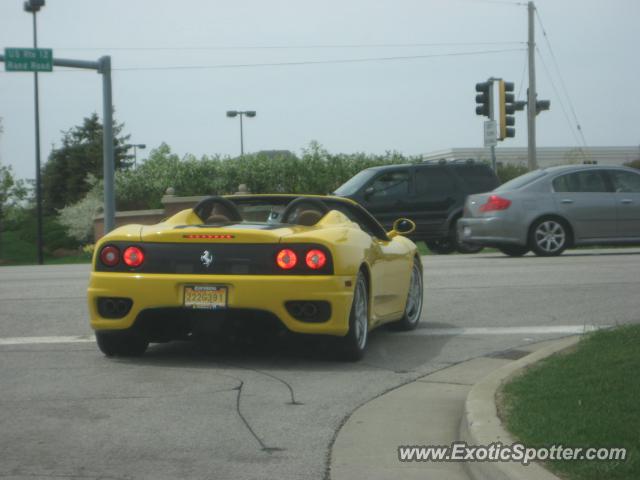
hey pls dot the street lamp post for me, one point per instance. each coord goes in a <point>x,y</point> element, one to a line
<point>32,6</point>
<point>235,113</point>
<point>136,146</point>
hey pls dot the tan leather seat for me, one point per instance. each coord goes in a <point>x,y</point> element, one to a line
<point>217,218</point>
<point>308,218</point>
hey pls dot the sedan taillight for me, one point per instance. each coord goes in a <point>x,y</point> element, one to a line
<point>495,202</point>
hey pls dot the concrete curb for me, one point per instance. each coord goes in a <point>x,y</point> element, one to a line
<point>481,426</point>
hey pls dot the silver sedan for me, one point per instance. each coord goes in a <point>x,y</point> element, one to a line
<point>552,209</point>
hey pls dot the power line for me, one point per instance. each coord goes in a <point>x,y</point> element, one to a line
<point>498,2</point>
<point>562,83</point>
<point>562,106</point>
<point>315,62</point>
<point>292,47</point>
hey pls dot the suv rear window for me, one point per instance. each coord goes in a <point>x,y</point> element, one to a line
<point>477,178</point>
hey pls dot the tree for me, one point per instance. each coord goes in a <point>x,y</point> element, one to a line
<point>64,177</point>
<point>12,192</point>
<point>634,163</point>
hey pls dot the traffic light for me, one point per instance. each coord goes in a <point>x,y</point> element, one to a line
<point>483,98</point>
<point>542,105</point>
<point>507,109</point>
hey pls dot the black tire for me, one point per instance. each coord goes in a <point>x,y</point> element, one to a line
<point>443,246</point>
<point>514,250</point>
<point>549,236</point>
<point>413,307</point>
<point>354,343</point>
<point>121,344</point>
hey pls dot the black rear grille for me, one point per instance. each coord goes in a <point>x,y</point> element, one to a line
<point>217,259</point>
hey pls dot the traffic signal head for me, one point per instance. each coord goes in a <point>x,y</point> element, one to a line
<point>508,107</point>
<point>483,98</point>
<point>542,105</point>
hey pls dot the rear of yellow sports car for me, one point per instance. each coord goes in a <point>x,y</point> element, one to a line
<point>165,280</point>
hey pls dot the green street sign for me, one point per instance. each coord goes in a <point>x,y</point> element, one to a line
<point>28,59</point>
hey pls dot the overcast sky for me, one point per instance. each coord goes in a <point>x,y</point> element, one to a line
<point>413,106</point>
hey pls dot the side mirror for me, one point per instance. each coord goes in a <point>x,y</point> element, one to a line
<point>402,226</point>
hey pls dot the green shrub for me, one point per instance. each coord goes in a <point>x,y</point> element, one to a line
<point>508,172</point>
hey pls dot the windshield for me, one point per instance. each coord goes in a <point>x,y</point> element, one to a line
<point>354,184</point>
<point>521,181</point>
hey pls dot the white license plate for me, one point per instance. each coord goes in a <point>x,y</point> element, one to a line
<point>206,297</point>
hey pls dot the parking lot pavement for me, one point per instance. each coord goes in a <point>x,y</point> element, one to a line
<point>260,410</point>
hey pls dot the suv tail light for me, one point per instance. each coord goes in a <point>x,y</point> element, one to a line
<point>495,202</point>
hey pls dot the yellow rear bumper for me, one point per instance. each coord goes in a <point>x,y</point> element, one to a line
<point>261,292</point>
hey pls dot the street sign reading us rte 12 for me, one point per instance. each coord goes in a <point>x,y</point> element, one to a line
<point>28,59</point>
<point>490,133</point>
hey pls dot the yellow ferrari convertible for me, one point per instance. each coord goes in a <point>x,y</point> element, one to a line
<point>305,264</point>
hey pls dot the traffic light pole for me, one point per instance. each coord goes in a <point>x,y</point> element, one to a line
<point>531,97</point>
<point>494,165</point>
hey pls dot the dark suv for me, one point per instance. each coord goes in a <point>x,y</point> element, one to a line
<point>432,194</point>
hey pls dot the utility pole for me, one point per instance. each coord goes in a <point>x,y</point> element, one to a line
<point>531,94</point>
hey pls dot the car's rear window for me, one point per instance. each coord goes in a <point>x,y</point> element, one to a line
<point>521,181</point>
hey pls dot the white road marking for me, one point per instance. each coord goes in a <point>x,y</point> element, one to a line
<point>436,332</point>
<point>41,340</point>
<point>532,330</point>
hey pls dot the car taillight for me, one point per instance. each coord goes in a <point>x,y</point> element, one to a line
<point>110,256</point>
<point>316,259</point>
<point>495,202</point>
<point>133,256</point>
<point>286,259</point>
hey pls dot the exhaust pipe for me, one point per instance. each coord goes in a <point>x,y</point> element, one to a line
<point>121,307</point>
<point>109,307</point>
<point>309,310</point>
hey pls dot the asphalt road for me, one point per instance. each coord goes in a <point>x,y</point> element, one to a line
<point>261,411</point>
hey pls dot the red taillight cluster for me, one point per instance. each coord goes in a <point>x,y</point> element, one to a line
<point>495,202</point>
<point>110,255</point>
<point>316,259</point>
<point>287,259</point>
<point>132,256</point>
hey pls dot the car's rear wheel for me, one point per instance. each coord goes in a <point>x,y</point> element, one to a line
<point>122,344</point>
<point>413,309</point>
<point>514,250</point>
<point>549,237</point>
<point>355,342</point>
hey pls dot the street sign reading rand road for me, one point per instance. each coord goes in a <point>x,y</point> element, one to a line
<point>28,59</point>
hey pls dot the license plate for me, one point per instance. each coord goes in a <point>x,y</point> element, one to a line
<point>205,297</point>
